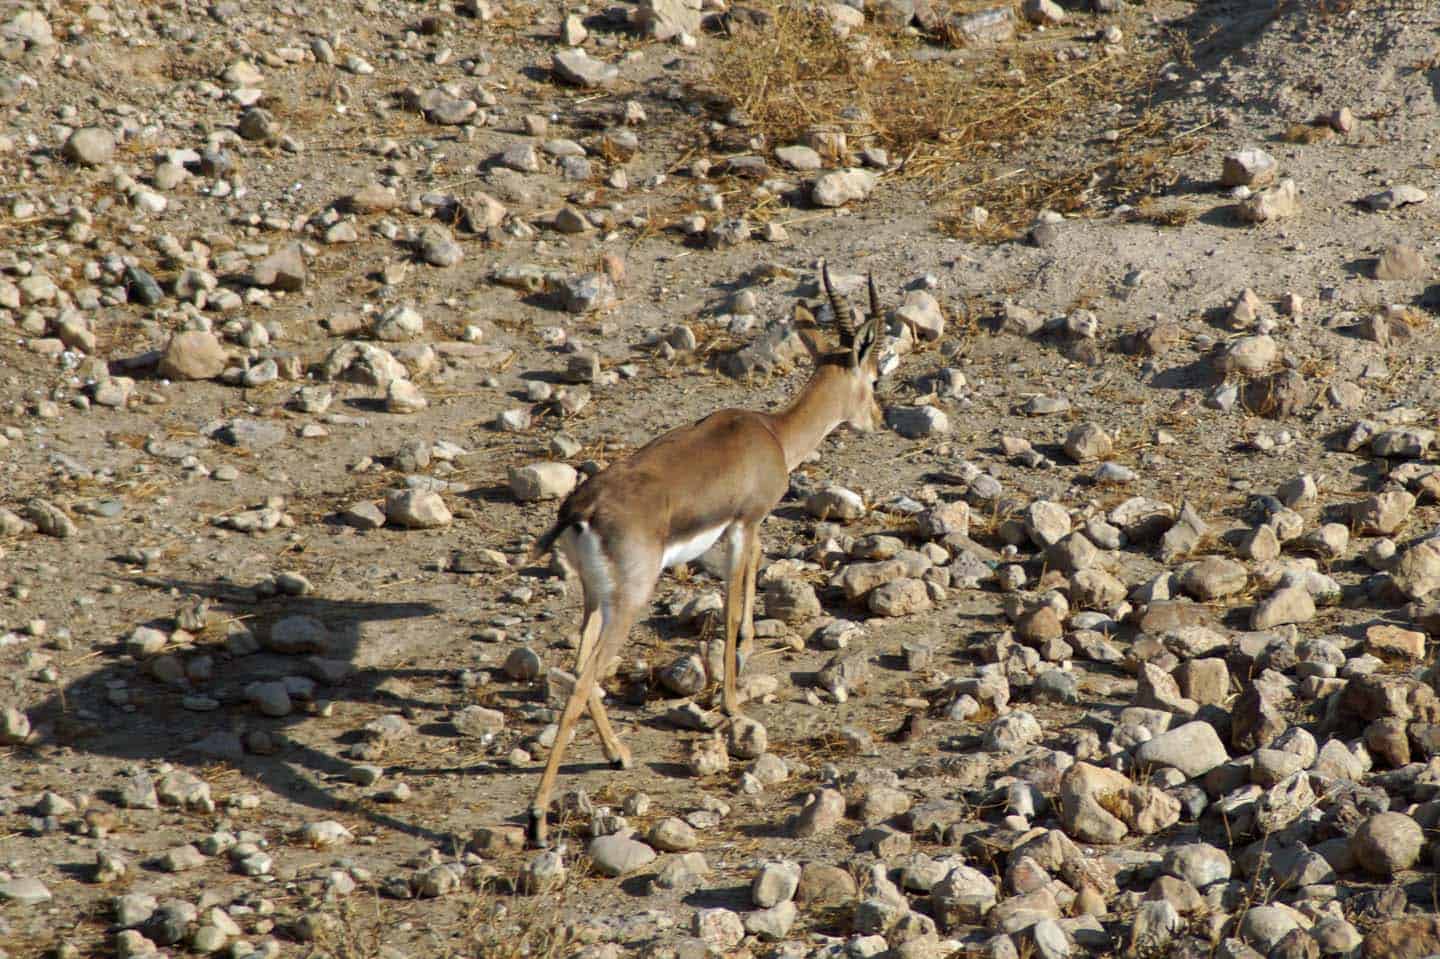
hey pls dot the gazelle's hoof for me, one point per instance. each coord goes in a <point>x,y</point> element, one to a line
<point>537,832</point>
<point>622,761</point>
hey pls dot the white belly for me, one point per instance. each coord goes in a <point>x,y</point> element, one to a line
<point>684,550</point>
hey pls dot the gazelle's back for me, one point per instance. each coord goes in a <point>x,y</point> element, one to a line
<point>722,469</point>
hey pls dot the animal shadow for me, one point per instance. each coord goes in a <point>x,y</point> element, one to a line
<point>132,708</point>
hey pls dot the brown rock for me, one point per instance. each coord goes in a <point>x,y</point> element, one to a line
<point>1039,625</point>
<point>822,884</point>
<point>1387,843</point>
<point>193,355</point>
<point>1255,722</point>
<point>1392,642</point>
<point>1387,739</point>
<point>1400,262</point>
<point>1412,937</point>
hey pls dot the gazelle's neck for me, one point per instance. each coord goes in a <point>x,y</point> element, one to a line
<point>811,417</point>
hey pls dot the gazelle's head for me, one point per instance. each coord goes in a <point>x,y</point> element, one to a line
<point>851,372</point>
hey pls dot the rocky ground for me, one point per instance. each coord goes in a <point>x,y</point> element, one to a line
<point>1116,640</point>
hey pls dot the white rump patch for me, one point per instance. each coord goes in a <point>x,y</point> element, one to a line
<point>582,549</point>
<point>684,550</point>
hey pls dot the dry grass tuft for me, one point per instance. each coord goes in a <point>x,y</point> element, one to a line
<point>978,124</point>
<point>1157,214</point>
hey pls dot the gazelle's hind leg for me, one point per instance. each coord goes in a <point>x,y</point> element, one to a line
<point>747,618</point>
<point>614,628</point>
<point>615,751</point>
<point>741,552</point>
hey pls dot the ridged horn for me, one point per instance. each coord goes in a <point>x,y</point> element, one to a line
<point>874,298</point>
<point>844,316</point>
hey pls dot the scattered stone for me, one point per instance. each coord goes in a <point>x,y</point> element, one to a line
<point>1401,262</point>
<point>24,891</point>
<point>1087,443</point>
<point>619,855</point>
<point>1277,203</point>
<point>1194,749</point>
<point>543,481</point>
<point>1252,168</point>
<point>1387,843</point>
<point>417,509</point>
<point>840,187</point>
<point>282,270</point>
<point>574,66</point>
<point>90,146</point>
<point>193,355</point>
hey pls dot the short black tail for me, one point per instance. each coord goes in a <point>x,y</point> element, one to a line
<point>545,543</point>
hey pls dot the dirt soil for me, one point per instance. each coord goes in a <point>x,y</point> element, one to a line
<point>420,622</point>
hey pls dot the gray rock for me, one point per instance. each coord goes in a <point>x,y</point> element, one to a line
<point>801,158</point>
<point>1252,168</point>
<point>1199,864</point>
<point>791,601</point>
<point>1277,203</point>
<point>776,882</point>
<point>248,434</point>
<point>1401,262</point>
<point>24,891</point>
<point>543,481</point>
<point>917,422</point>
<point>668,19</point>
<point>403,396</point>
<point>180,859</point>
<point>364,515</point>
<point>478,721</point>
<point>823,813</point>
<point>1087,443</point>
<point>618,855</point>
<point>773,924</point>
<point>840,187</point>
<point>575,67</point>
<point>281,270</point>
<point>90,146</point>
<point>1387,843</point>
<point>133,909</point>
<point>1194,749</point>
<point>417,509</point>
<point>1264,926</point>
<point>586,293</point>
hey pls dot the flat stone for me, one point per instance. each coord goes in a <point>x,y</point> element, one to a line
<point>575,67</point>
<point>619,855</point>
<point>24,891</point>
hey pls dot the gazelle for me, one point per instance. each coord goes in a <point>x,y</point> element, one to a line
<point>683,492</point>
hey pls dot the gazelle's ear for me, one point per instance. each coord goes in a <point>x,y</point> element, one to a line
<point>809,329</point>
<point>867,341</point>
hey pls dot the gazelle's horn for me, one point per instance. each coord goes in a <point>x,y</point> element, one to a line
<point>844,317</point>
<point>874,299</point>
